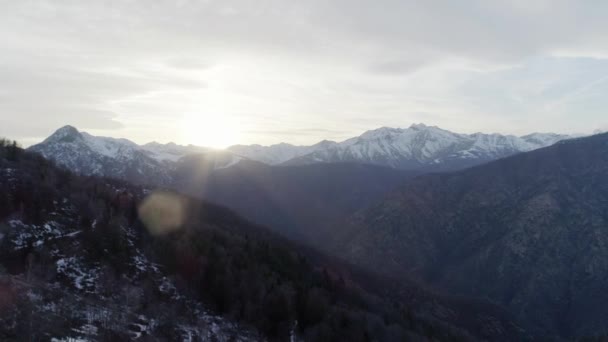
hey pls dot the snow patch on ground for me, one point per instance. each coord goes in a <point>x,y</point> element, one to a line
<point>83,279</point>
<point>25,235</point>
<point>87,330</point>
<point>69,339</point>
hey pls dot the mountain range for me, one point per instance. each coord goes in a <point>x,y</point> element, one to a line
<point>296,201</point>
<point>418,147</point>
<point>296,190</point>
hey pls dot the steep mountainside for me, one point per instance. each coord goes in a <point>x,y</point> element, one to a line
<point>529,232</point>
<point>87,258</point>
<point>422,147</point>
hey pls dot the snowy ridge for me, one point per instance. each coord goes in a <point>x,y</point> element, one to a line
<point>420,145</point>
<point>152,163</point>
<point>279,153</point>
<point>117,148</point>
<point>171,151</point>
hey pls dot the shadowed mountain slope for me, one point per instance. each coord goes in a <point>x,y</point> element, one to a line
<point>298,202</point>
<point>529,232</point>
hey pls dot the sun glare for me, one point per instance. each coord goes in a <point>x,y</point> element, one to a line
<point>216,132</point>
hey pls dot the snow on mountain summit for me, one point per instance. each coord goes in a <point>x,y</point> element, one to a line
<point>151,163</point>
<point>279,153</point>
<point>171,151</point>
<point>65,133</point>
<point>417,147</point>
<point>420,146</point>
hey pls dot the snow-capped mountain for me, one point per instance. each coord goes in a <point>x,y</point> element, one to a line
<point>152,163</point>
<point>279,153</point>
<point>421,146</point>
<point>171,151</point>
<point>418,147</point>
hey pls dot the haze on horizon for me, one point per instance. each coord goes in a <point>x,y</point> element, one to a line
<point>217,73</point>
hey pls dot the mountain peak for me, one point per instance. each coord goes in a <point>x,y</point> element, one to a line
<point>67,129</point>
<point>325,143</point>
<point>418,126</point>
<point>380,133</point>
<point>423,127</point>
<point>66,133</point>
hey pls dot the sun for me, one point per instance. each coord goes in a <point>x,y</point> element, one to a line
<point>209,131</point>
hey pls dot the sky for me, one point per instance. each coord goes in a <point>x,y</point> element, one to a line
<point>217,73</point>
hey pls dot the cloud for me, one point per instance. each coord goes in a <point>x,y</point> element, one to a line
<point>135,67</point>
<point>398,67</point>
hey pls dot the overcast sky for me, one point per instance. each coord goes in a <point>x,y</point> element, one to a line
<point>224,72</point>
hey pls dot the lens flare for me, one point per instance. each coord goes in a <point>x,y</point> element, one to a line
<point>215,131</point>
<point>162,212</point>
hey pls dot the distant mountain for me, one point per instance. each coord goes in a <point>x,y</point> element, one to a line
<point>422,147</point>
<point>279,153</point>
<point>152,163</point>
<point>171,151</point>
<point>529,232</point>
